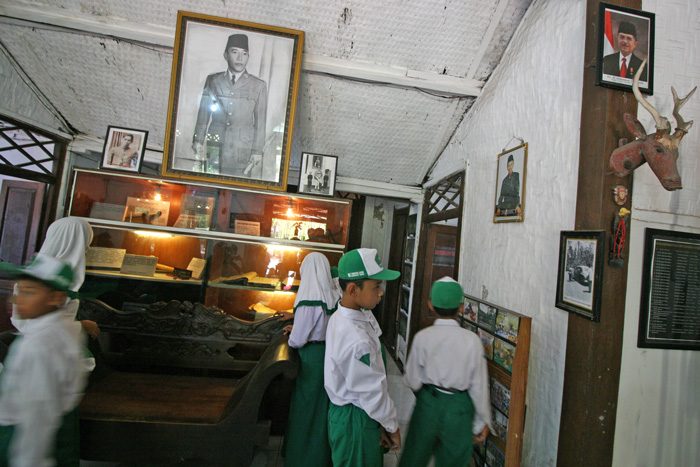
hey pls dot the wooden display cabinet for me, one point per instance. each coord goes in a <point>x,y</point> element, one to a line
<point>506,338</point>
<point>244,247</point>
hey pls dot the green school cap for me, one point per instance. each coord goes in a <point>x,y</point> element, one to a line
<point>364,263</point>
<point>54,272</point>
<point>446,293</point>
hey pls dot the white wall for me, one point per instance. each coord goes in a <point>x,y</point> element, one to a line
<point>377,223</point>
<point>535,93</point>
<point>658,415</point>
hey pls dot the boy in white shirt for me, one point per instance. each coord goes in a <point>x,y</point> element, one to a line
<point>45,371</point>
<point>361,417</point>
<point>447,369</point>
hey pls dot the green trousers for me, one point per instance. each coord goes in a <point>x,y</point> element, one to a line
<point>354,437</point>
<point>441,425</point>
<point>306,440</point>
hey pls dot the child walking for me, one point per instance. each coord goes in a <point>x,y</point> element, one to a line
<point>361,417</point>
<point>447,369</point>
<point>306,439</point>
<point>45,372</point>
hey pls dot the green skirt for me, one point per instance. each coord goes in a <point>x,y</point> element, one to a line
<point>306,440</point>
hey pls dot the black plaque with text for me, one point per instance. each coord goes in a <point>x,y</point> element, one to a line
<point>670,306</point>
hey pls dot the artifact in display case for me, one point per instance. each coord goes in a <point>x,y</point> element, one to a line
<point>237,249</point>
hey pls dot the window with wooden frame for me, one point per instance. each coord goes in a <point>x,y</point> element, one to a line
<point>31,162</point>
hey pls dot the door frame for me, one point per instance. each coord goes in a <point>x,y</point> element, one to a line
<point>32,234</point>
<point>432,213</point>
<point>390,316</point>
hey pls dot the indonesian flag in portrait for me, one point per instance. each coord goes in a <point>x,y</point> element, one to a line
<point>608,44</point>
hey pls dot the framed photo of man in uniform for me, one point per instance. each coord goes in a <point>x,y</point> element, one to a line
<point>124,149</point>
<point>510,185</point>
<point>317,174</point>
<point>232,101</point>
<point>625,40</point>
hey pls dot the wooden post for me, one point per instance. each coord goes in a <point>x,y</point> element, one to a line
<point>593,350</point>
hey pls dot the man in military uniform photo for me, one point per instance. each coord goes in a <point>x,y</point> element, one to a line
<point>509,199</point>
<point>231,117</point>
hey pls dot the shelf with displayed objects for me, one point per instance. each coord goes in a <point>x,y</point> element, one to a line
<point>236,249</point>
<point>505,335</point>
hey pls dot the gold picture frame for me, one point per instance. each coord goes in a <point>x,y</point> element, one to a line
<point>231,108</point>
<point>510,185</point>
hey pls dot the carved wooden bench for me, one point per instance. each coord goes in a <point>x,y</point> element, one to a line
<point>179,382</point>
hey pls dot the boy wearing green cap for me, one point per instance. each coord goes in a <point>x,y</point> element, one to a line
<point>361,417</point>
<point>447,370</point>
<point>45,371</point>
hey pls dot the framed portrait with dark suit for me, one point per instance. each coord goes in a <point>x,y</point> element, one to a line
<point>511,171</point>
<point>233,93</point>
<point>625,41</point>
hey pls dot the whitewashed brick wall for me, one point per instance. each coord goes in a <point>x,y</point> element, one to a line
<point>535,93</point>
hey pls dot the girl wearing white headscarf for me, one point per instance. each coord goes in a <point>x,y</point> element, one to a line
<point>306,441</point>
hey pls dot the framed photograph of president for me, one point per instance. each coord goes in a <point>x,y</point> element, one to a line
<point>510,185</point>
<point>233,95</point>
<point>625,40</point>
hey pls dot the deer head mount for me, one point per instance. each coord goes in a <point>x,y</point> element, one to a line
<point>659,149</point>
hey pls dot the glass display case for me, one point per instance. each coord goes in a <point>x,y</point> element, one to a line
<point>240,250</point>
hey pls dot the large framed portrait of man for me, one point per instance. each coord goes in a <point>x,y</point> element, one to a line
<point>625,40</point>
<point>232,101</point>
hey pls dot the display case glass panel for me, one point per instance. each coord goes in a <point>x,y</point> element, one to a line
<point>238,250</point>
<point>164,203</point>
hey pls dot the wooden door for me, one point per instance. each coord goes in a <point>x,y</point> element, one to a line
<point>439,259</point>
<point>20,211</point>
<point>389,318</point>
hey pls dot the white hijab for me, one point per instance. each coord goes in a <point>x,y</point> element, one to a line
<point>316,286</point>
<point>66,239</point>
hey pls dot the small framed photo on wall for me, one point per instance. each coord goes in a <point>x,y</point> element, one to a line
<point>510,185</point>
<point>317,174</point>
<point>124,149</point>
<point>580,278</point>
<point>625,40</point>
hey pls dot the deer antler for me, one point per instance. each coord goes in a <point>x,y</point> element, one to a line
<point>662,123</point>
<point>677,104</point>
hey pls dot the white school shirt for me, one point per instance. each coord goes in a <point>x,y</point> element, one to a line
<point>310,324</point>
<point>352,334</point>
<point>43,379</point>
<point>449,356</point>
